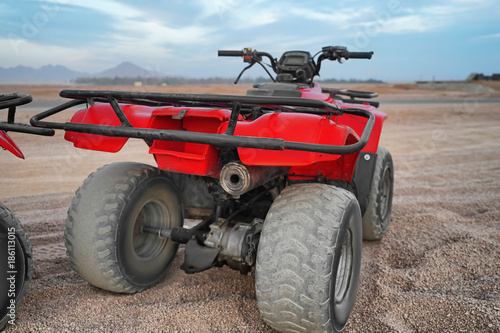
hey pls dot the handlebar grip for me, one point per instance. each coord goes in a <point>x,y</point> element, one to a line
<point>230,53</point>
<point>358,55</point>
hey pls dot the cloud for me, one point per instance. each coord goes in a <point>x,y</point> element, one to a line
<point>404,24</point>
<point>218,7</point>
<point>334,17</point>
<point>240,14</point>
<point>135,25</point>
<point>443,10</point>
<point>491,36</point>
<point>112,8</point>
<point>16,51</point>
<point>391,19</point>
<point>91,35</point>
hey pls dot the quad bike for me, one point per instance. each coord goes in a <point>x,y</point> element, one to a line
<point>288,179</point>
<point>16,260</point>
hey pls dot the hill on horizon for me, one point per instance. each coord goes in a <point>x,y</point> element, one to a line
<point>48,73</point>
<point>59,73</point>
<point>126,69</point>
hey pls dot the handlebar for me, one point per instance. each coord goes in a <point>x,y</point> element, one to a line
<point>251,57</point>
<point>230,53</point>
<point>339,52</point>
<point>248,54</point>
<point>332,53</point>
<point>357,55</point>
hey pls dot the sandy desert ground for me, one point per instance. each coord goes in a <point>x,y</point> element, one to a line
<point>436,270</point>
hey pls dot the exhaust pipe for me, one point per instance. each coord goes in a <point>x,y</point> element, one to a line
<point>237,179</point>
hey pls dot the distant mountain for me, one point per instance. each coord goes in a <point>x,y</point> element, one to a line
<point>59,74</point>
<point>47,73</point>
<point>126,69</point>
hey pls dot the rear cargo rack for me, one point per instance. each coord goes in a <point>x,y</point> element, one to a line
<point>226,140</point>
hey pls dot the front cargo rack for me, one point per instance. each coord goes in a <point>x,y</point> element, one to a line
<point>225,140</point>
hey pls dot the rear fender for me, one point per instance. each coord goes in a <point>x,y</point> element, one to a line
<point>7,143</point>
<point>296,127</point>
<point>357,123</point>
<point>341,168</point>
<point>103,114</point>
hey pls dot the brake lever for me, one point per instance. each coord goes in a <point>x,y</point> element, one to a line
<point>243,71</point>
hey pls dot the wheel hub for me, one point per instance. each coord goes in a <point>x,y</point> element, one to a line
<point>148,246</point>
<point>343,277</point>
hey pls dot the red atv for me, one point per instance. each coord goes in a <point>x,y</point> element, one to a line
<point>16,259</point>
<point>288,178</point>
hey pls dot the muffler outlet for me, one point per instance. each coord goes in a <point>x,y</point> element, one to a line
<point>237,179</point>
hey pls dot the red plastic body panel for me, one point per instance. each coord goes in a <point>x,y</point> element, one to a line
<point>103,114</point>
<point>315,93</point>
<point>358,124</point>
<point>7,143</point>
<point>298,127</point>
<point>340,169</point>
<point>187,157</point>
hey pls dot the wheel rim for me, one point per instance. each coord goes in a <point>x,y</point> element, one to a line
<point>385,194</point>
<point>148,246</point>
<point>343,277</point>
<point>144,257</point>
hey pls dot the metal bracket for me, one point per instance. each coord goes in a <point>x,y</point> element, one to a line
<point>180,115</point>
<point>235,112</point>
<point>198,258</point>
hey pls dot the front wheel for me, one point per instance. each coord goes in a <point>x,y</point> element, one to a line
<point>104,237</point>
<point>16,265</point>
<point>309,259</point>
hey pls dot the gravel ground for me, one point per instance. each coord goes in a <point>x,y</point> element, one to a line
<point>436,270</point>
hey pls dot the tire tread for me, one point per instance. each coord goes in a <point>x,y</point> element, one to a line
<point>93,258</point>
<point>276,278</point>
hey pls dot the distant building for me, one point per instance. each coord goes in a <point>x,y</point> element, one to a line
<point>481,77</point>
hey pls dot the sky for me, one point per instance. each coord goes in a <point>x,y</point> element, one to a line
<point>411,39</point>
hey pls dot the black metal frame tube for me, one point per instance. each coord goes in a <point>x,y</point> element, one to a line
<point>119,112</point>
<point>26,128</point>
<point>14,99</point>
<point>231,125</point>
<point>10,102</point>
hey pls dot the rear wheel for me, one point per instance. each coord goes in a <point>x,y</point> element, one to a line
<point>104,237</point>
<point>309,258</point>
<point>15,250</point>
<point>378,212</point>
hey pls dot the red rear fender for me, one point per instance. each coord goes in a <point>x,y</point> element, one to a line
<point>297,127</point>
<point>357,123</point>
<point>103,114</point>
